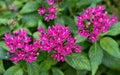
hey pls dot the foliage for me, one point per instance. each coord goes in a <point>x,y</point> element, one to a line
<point>99,58</point>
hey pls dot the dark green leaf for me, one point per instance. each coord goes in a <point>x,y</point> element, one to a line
<point>95,55</point>
<point>79,61</point>
<point>57,71</point>
<point>4,29</point>
<point>110,46</point>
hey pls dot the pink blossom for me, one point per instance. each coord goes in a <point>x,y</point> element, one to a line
<point>52,9</point>
<point>58,39</point>
<point>41,11</point>
<point>93,22</point>
<point>50,2</point>
<point>19,47</point>
<point>47,18</point>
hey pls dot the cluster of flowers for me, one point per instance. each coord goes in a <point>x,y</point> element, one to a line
<point>93,22</point>
<point>57,39</point>
<point>52,9</point>
<point>20,47</point>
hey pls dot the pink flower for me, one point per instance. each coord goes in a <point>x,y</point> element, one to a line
<point>52,9</point>
<point>50,2</point>
<point>47,18</point>
<point>19,47</point>
<point>58,39</point>
<point>93,22</point>
<point>52,16</point>
<point>41,11</point>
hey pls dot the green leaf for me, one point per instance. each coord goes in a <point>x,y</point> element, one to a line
<point>82,72</point>
<point>4,29</point>
<point>3,45</point>
<point>110,46</point>
<point>80,39</point>
<point>90,1</point>
<point>71,24</point>
<point>70,71</point>
<point>57,71</point>
<point>40,23</point>
<point>44,73</point>
<point>28,31</point>
<point>79,61</point>
<point>30,20</point>
<point>3,53</point>
<point>95,55</point>
<point>14,70</point>
<point>33,68</point>
<point>3,21</point>
<point>29,7</point>
<point>45,66</point>
<point>59,20</point>
<point>111,62</point>
<point>2,70</point>
<point>114,30</point>
<point>36,35</point>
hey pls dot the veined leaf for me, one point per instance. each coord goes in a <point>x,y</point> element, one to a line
<point>79,61</point>
<point>95,55</point>
<point>110,46</point>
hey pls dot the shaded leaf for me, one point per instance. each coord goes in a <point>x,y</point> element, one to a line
<point>111,62</point>
<point>57,71</point>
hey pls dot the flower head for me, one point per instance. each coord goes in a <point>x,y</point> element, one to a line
<point>41,11</point>
<point>52,9</point>
<point>50,2</point>
<point>93,22</point>
<point>58,39</point>
<point>20,47</point>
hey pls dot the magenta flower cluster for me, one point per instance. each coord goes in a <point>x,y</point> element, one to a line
<point>57,39</point>
<point>93,22</point>
<point>20,47</point>
<point>52,10</point>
